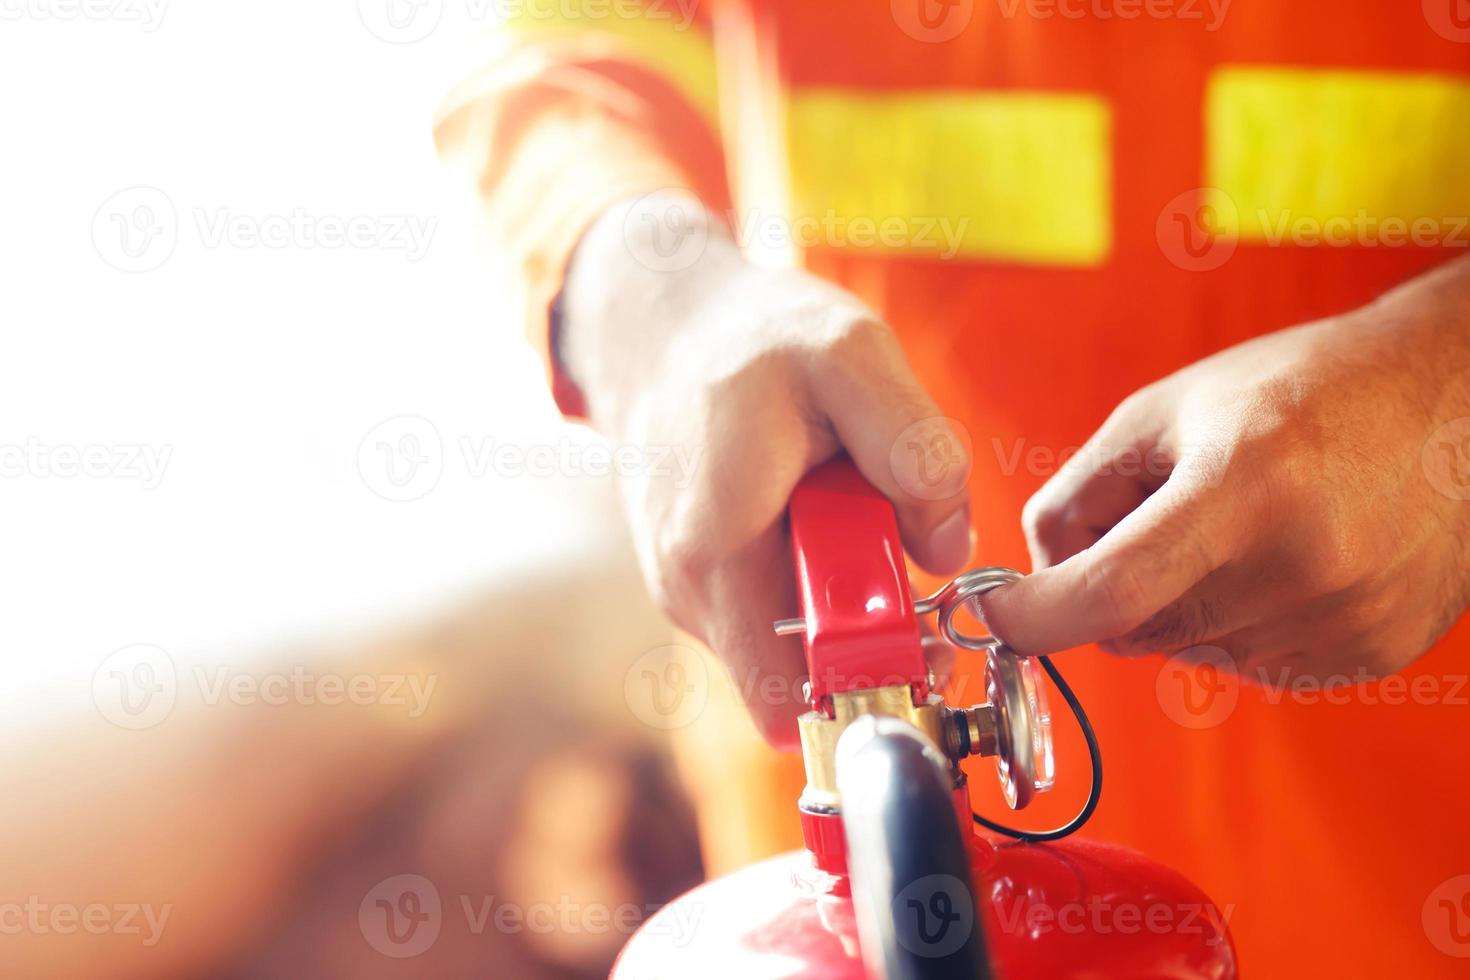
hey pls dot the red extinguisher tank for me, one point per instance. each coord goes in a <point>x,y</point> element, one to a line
<point>896,882</point>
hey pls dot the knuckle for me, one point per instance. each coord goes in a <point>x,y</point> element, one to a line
<point>1265,451</point>
<point>1039,514</point>
<point>687,558</point>
<point>923,515</point>
<point>867,351</point>
<point>856,332</point>
<point>832,326</point>
<point>1136,407</point>
<point>684,560</point>
<point>929,459</point>
<point>749,376</point>
<point>1131,406</point>
<point>1264,486</point>
<point>1042,521</point>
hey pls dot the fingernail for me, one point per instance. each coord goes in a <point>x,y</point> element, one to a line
<point>950,543</point>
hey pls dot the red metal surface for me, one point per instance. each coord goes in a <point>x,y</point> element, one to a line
<point>1071,909</point>
<point>854,586</point>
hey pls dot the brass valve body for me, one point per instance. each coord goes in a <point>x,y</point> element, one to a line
<point>958,732</point>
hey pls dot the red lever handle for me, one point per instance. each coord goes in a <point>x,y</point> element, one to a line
<point>854,587</point>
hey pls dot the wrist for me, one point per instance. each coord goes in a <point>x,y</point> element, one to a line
<point>631,289</point>
<point>1425,325</point>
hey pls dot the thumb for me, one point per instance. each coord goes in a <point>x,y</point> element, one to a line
<point>1147,561</point>
<point>898,439</point>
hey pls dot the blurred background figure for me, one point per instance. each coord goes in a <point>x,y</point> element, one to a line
<point>313,614</point>
<point>484,801</point>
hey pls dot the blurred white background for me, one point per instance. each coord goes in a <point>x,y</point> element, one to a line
<point>228,394</point>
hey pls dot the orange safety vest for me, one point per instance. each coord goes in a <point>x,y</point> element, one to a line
<point>1055,202</point>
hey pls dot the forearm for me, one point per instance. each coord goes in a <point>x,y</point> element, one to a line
<point>557,131</point>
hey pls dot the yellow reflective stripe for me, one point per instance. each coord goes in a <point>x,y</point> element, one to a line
<point>1026,177</point>
<point>1287,146</point>
<point>659,38</point>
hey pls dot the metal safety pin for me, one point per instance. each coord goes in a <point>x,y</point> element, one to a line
<point>946,602</point>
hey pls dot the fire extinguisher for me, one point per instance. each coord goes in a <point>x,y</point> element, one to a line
<point>899,879</point>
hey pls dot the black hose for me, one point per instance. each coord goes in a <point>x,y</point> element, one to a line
<point>1093,753</point>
